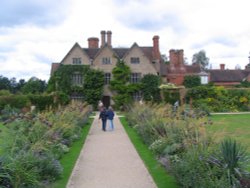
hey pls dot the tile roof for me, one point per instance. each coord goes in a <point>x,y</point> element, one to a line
<point>193,69</point>
<point>91,52</point>
<point>228,75</point>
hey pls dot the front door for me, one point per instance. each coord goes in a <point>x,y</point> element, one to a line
<point>106,101</point>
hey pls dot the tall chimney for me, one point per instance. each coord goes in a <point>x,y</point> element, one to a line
<point>109,33</point>
<point>103,41</point>
<point>156,51</point>
<point>222,66</point>
<point>176,57</point>
<point>93,42</point>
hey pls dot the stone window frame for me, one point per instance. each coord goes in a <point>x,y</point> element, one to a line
<point>76,61</point>
<point>135,60</point>
<point>107,78</point>
<point>77,79</point>
<point>135,77</point>
<point>106,61</point>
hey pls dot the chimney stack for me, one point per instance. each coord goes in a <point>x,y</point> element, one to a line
<point>156,51</point>
<point>222,66</point>
<point>176,57</point>
<point>93,42</point>
<point>103,38</point>
<point>109,33</point>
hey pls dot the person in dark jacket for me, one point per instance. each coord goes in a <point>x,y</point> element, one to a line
<point>110,116</point>
<point>103,117</point>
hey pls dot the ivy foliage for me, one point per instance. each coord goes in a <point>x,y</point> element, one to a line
<point>121,86</point>
<point>91,88</point>
<point>150,87</point>
<point>192,81</point>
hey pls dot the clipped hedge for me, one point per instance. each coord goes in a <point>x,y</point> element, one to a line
<point>42,101</point>
<point>14,101</point>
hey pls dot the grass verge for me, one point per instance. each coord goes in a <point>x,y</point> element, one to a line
<point>157,171</point>
<point>69,159</point>
<point>236,126</point>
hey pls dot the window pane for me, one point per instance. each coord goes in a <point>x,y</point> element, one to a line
<point>107,78</point>
<point>135,77</point>
<point>106,60</point>
<point>77,79</point>
<point>134,60</point>
<point>77,61</point>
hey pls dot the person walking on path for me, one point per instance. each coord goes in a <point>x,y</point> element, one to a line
<point>110,116</point>
<point>103,117</point>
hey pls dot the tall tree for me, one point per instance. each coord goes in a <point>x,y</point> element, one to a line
<point>34,85</point>
<point>4,83</point>
<point>200,58</point>
<point>120,84</point>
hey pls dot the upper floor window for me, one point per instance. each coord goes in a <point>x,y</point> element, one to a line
<point>77,79</point>
<point>134,60</point>
<point>204,79</point>
<point>106,60</point>
<point>107,78</point>
<point>135,77</point>
<point>77,61</point>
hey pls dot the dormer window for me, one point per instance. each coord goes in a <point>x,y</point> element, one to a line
<point>77,61</point>
<point>106,60</point>
<point>134,60</point>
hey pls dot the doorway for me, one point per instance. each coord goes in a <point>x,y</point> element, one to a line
<point>106,101</point>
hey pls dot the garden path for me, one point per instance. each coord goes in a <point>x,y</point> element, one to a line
<point>109,160</point>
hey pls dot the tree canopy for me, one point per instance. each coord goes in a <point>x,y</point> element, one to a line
<point>200,58</point>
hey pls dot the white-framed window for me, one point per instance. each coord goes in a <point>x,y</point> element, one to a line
<point>77,61</point>
<point>134,60</point>
<point>137,95</point>
<point>106,60</point>
<point>107,78</point>
<point>204,79</point>
<point>77,79</point>
<point>135,77</point>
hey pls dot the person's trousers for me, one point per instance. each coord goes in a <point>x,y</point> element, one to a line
<point>104,121</point>
<point>111,125</point>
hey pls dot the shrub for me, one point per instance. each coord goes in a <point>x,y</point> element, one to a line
<point>192,170</point>
<point>35,142</point>
<point>14,101</point>
<point>232,159</point>
<point>192,81</point>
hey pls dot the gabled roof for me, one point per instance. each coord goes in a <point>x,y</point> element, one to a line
<point>121,52</point>
<point>228,75</point>
<point>148,51</point>
<point>102,48</point>
<point>76,45</point>
<point>91,52</point>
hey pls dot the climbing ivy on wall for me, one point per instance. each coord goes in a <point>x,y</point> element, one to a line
<point>91,88</point>
<point>150,87</point>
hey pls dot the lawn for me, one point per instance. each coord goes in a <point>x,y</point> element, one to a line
<point>236,126</point>
<point>158,173</point>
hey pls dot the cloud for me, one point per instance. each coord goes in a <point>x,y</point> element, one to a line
<point>147,15</point>
<point>37,12</point>
<point>34,33</point>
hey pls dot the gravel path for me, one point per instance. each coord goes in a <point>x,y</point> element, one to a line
<point>109,160</point>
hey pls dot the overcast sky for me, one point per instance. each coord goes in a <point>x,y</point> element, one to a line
<point>34,33</point>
